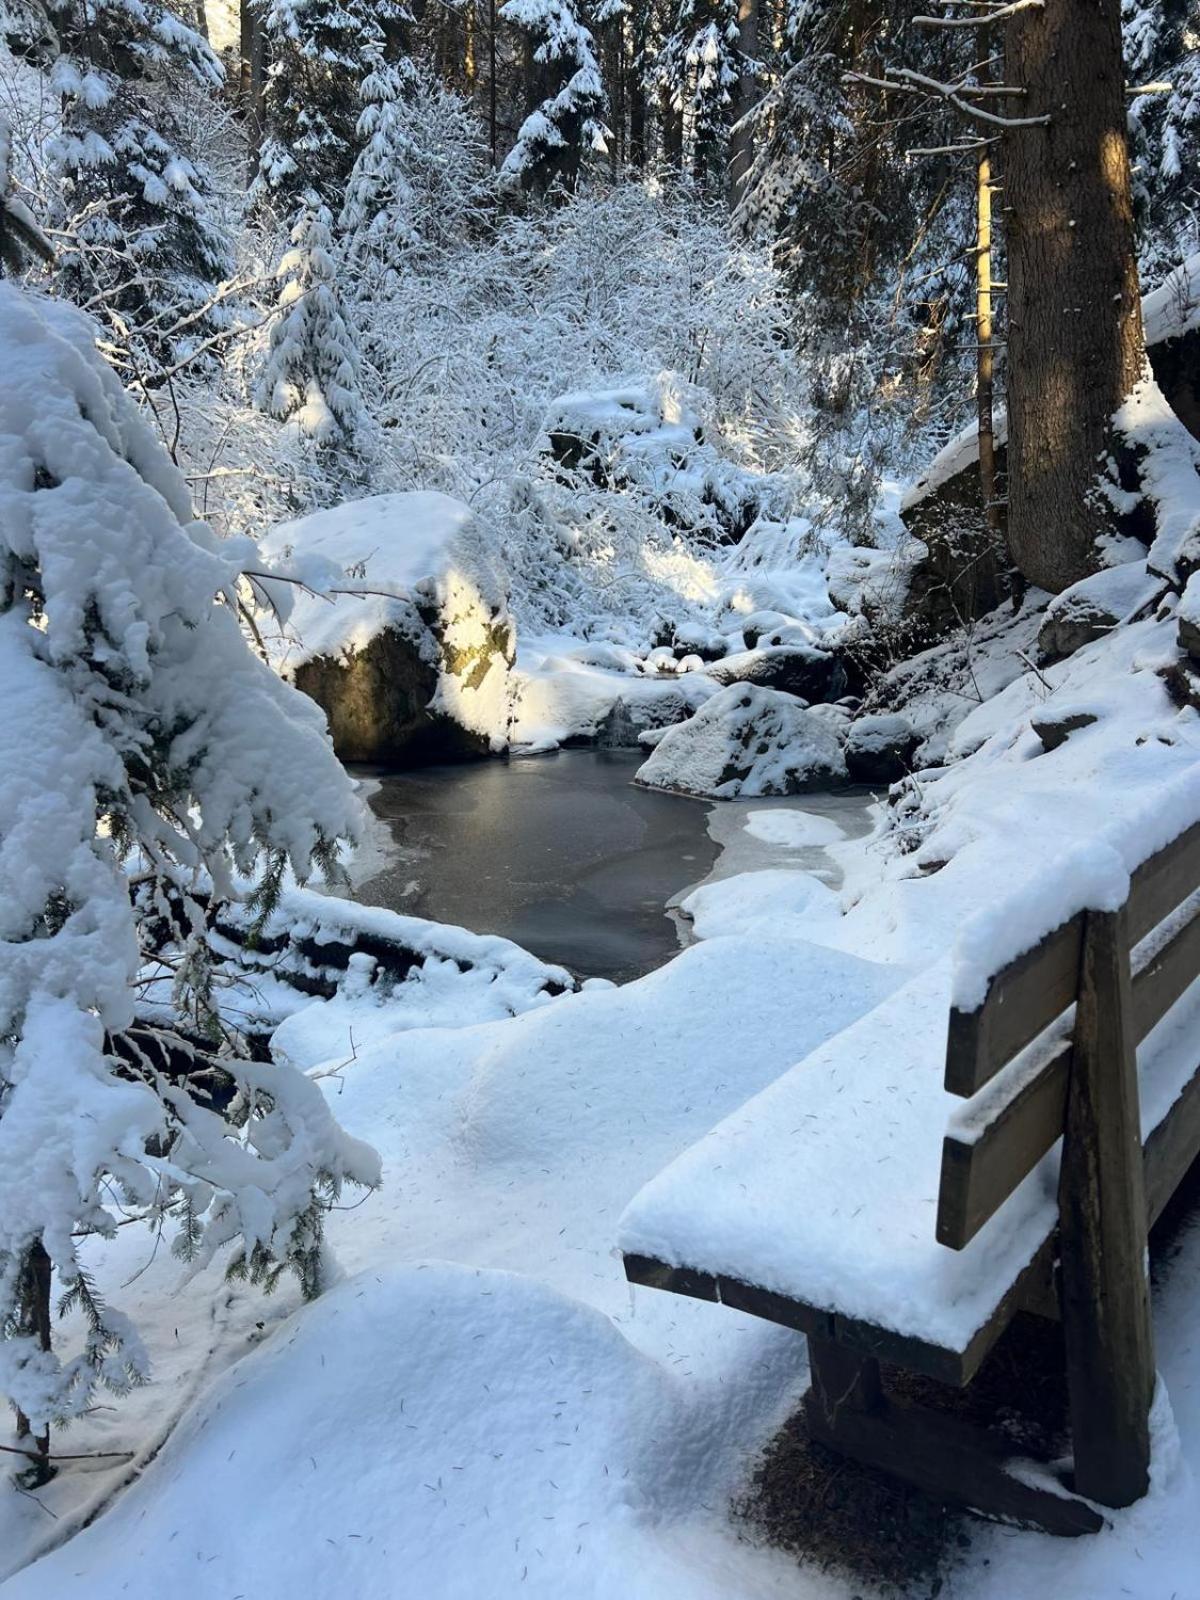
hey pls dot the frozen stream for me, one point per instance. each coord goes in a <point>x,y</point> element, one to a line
<point>565,855</point>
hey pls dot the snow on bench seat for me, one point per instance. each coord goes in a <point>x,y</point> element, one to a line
<point>823,1188</point>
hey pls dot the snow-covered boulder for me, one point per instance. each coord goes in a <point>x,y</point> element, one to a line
<point>1189,618</point>
<point>966,573</point>
<point>1094,607</point>
<point>746,741</point>
<point>798,669</point>
<point>409,649</point>
<point>1171,317</point>
<point>597,694</point>
<point>880,749</point>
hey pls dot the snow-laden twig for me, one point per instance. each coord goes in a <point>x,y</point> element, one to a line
<point>907,81</point>
<point>982,18</point>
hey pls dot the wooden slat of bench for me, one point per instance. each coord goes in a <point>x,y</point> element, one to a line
<point>722,1290</point>
<point>1164,882</point>
<point>1171,1149</point>
<point>978,1176</point>
<point>1021,1001</point>
<point>1165,977</point>
<point>1039,986</point>
<point>1033,1289</point>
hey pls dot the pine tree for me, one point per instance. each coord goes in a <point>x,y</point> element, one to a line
<point>320,52</point>
<point>147,249</point>
<point>1162,47</point>
<point>565,122</point>
<point>170,759</point>
<point>699,67</point>
<point>377,188</point>
<point>311,376</point>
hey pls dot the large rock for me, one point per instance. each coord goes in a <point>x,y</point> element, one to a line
<point>1171,318</point>
<point>1189,619</point>
<point>746,741</point>
<point>880,749</point>
<point>1055,727</point>
<point>412,664</point>
<point>798,669</point>
<point>966,571</point>
<point>1092,608</point>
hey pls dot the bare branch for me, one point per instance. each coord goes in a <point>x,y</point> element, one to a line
<point>908,81</point>
<point>982,19</point>
<point>970,147</point>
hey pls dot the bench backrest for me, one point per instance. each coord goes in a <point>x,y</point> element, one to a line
<point>1018,1088</point>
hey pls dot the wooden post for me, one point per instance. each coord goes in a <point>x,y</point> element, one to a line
<point>1102,1206</point>
<point>841,1381</point>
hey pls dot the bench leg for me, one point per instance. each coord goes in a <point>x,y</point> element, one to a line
<point>1102,1207</point>
<point>841,1380</point>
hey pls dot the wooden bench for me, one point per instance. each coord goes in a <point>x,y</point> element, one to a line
<point>1051,1054</point>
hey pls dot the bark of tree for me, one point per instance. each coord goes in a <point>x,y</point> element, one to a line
<point>36,1324</point>
<point>637,115</point>
<point>493,126</point>
<point>986,364</point>
<point>741,141</point>
<point>614,53</point>
<point>253,76</point>
<point>671,121</point>
<point>1074,316</point>
<point>470,65</point>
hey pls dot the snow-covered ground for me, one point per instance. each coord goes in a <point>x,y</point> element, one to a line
<point>481,1406</point>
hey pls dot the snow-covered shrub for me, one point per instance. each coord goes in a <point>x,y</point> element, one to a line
<point>470,342</point>
<point>138,735</point>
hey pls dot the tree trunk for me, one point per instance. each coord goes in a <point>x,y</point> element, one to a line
<point>493,132</point>
<point>35,1324</point>
<point>1075,335</point>
<point>470,68</point>
<point>637,107</point>
<point>614,51</point>
<point>741,140</point>
<point>986,364</point>
<point>253,77</point>
<point>671,119</point>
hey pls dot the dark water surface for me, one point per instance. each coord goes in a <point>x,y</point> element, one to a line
<point>559,852</point>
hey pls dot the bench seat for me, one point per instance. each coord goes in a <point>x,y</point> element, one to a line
<point>814,1204</point>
